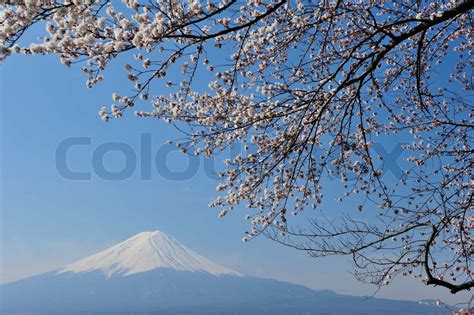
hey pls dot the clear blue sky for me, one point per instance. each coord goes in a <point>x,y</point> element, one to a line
<point>48,221</point>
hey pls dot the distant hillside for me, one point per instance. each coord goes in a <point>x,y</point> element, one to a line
<point>153,273</point>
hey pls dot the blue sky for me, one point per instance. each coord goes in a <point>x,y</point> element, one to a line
<point>48,221</point>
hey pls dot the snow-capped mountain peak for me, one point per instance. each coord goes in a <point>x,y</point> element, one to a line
<point>147,251</point>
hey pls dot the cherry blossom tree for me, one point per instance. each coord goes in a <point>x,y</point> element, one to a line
<point>306,87</point>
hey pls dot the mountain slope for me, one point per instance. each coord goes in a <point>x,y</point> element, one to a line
<point>144,252</point>
<point>153,273</point>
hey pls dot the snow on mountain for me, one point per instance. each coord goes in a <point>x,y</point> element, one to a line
<point>144,252</point>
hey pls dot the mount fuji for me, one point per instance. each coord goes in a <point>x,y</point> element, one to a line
<point>144,252</point>
<point>152,273</point>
